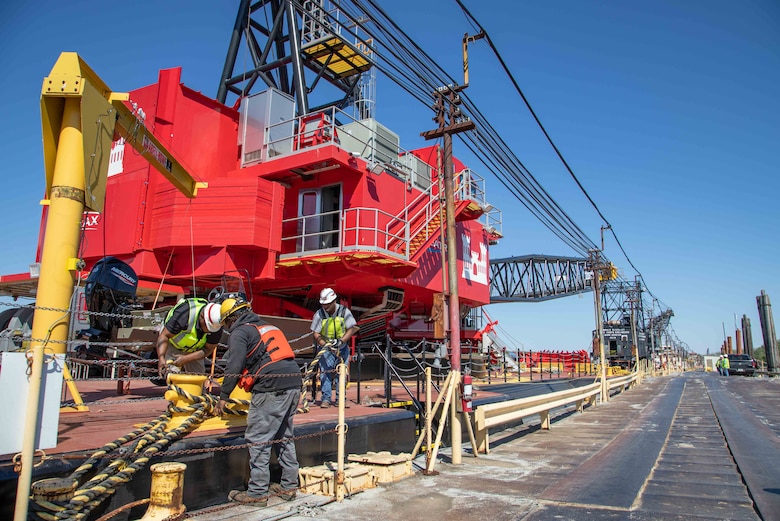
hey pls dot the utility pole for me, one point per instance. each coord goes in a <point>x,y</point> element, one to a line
<point>651,354</point>
<point>466,41</point>
<point>596,266</point>
<point>451,121</point>
<point>607,227</point>
<point>636,299</point>
<point>652,337</point>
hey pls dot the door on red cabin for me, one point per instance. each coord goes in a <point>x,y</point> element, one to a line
<point>319,218</point>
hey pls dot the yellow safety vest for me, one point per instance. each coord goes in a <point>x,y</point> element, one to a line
<point>333,327</point>
<point>187,340</point>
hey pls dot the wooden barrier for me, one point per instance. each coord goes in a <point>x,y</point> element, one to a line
<point>624,382</point>
<point>493,414</point>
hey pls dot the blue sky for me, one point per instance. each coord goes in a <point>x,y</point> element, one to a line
<point>667,111</point>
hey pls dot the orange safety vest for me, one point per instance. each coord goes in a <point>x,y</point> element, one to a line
<point>275,347</point>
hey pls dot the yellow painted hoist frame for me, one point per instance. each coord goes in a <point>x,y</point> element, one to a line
<point>79,115</point>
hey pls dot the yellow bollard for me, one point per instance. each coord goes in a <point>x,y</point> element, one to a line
<point>165,498</point>
<point>54,490</point>
<point>192,384</point>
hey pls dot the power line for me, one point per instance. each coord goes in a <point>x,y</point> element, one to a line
<point>431,75</point>
<point>405,63</point>
<point>544,131</point>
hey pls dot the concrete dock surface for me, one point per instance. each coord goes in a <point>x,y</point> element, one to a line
<point>682,447</point>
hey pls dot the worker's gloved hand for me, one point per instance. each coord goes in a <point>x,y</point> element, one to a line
<point>173,366</point>
<point>332,345</point>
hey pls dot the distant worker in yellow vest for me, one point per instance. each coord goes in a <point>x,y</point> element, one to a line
<point>725,364</point>
<point>191,332</point>
<point>332,322</point>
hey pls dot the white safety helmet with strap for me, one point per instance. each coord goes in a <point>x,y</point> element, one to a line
<point>213,317</point>
<point>327,296</point>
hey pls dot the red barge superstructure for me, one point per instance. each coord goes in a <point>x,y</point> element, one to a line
<point>293,204</point>
<point>294,198</point>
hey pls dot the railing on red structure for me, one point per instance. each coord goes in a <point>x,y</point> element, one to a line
<point>539,364</point>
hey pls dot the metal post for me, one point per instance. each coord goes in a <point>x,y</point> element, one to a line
<point>55,286</point>
<point>768,331</point>
<point>504,351</point>
<point>652,337</point>
<point>738,341</point>
<point>451,122</point>
<point>747,335</point>
<point>302,99</point>
<point>634,340</point>
<point>359,366</point>
<point>454,300</point>
<point>428,419</point>
<point>388,375</point>
<point>235,42</point>
<point>341,428</point>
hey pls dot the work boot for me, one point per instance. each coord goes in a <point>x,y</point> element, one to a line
<point>287,495</point>
<point>325,404</point>
<point>241,496</point>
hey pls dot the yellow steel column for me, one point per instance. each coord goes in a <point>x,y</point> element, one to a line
<point>50,327</point>
<point>63,229</point>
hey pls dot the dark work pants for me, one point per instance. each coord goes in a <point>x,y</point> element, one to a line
<point>271,418</point>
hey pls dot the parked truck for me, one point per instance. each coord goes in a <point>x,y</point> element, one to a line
<point>742,364</point>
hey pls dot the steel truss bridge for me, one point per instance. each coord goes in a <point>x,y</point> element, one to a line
<point>535,278</point>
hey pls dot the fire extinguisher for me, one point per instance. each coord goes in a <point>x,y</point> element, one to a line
<point>466,392</point>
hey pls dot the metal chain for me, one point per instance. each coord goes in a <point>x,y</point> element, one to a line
<point>124,508</point>
<point>112,402</point>
<point>152,440</point>
<point>80,311</point>
<point>247,445</point>
<point>153,317</point>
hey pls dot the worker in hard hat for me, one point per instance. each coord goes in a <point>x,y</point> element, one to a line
<point>191,332</point>
<point>726,365</point>
<point>332,325</point>
<point>261,361</point>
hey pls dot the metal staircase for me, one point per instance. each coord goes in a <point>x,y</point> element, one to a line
<point>421,219</point>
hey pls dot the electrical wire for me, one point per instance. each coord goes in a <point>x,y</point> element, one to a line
<point>407,65</point>
<point>420,75</point>
<point>544,131</point>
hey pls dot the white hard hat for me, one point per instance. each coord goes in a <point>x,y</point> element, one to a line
<point>327,296</point>
<point>212,316</point>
